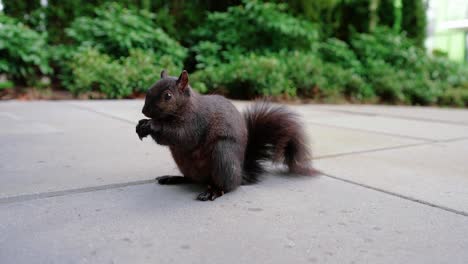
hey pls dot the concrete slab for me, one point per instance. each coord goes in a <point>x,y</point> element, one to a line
<point>435,173</point>
<point>129,110</point>
<point>71,150</point>
<point>436,114</point>
<point>281,220</point>
<point>423,130</point>
<point>332,141</point>
<point>48,146</point>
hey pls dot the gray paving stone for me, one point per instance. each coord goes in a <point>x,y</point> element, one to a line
<point>423,130</point>
<point>435,173</point>
<point>125,109</point>
<point>71,149</point>
<point>459,116</point>
<point>48,146</point>
<point>330,141</point>
<point>281,220</point>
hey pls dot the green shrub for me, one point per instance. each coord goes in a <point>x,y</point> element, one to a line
<point>419,90</point>
<point>59,59</point>
<point>252,27</point>
<point>385,45</point>
<point>454,97</point>
<point>143,68</point>
<point>6,85</point>
<point>315,78</point>
<point>23,53</point>
<point>91,70</point>
<point>400,72</point>
<point>115,30</point>
<point>382,65</point>
<point>447,72</point>
<point>400,86</point>
<point>207,54</point>
<point>386,82</point>
<point>290,73</point>
<point>246,76</point>
<point>305,70</point>
<point>338,52</point>
<point>350,84</point>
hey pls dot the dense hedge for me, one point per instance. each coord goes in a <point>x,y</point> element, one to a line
<point>23,52</point>
<point>245,50</point>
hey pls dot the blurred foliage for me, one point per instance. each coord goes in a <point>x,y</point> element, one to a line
<point>338,52</point>
<point>398,71</point>
<point>289,73</point>
<point>326,50</point>
<point>6,85</point>
<point>115,30</point>
<point>454,97</point>
<point>91,70</point>
<point>21,10</point>
<point>414,20</point>
<point>387,13</point>
<point>355,16</point>
<point>253,27</point>
<point>23,53</point>
<point>60,13</point>
<point>118,51</point>
<point>384,45</point>
<point>246,76</point>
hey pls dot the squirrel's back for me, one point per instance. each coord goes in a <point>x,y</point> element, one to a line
<point>225,121</point>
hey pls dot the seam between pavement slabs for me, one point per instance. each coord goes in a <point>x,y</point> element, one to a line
<point>101,113</point>
<point>371,131</point>
<point>373,150</point>
<point>29,197</point>
<point>389,148</point>
<point>401,196</point>
<point>461,123</point>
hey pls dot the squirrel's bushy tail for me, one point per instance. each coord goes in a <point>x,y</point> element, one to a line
<point>274,134</point>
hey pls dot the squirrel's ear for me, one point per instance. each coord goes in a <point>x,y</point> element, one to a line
<point>183,80</point>
<point>163,74</point>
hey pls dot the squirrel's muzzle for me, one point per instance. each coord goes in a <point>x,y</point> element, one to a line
<point>146,111</point>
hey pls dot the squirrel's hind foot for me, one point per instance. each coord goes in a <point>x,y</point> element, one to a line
<point>210,194</point>
<point>168,180</point>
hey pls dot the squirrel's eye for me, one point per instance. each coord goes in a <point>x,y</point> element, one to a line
<point>167,96</point>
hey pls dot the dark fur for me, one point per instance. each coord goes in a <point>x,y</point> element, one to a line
<point>212,143</point>
<point>274,134</point>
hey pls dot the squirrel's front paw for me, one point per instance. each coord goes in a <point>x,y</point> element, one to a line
<point>143,128</point>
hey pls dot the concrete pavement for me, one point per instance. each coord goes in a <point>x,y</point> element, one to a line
<point>76,186</point>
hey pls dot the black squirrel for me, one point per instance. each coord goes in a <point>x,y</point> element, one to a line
<point>213,143</point>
